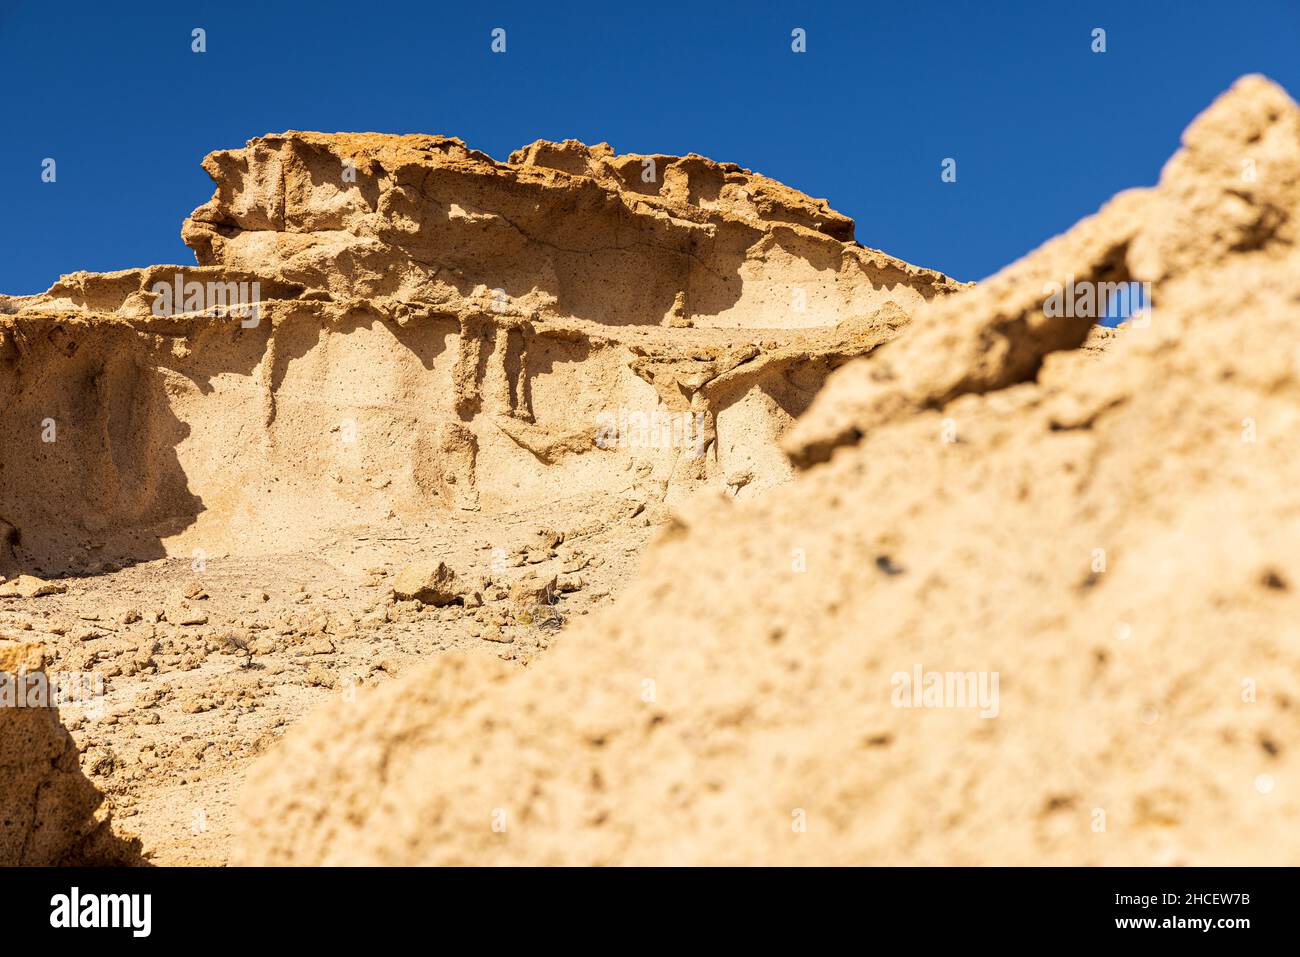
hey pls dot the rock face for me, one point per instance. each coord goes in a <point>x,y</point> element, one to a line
<point>432,330</point>
<point>562,230</point>
<point>1103,540</point>
<point>47,806</point>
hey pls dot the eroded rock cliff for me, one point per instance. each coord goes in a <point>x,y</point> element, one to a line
<point>425,328</point>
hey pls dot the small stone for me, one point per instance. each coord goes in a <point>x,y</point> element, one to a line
<point>575,564</point>
<point>188,616</point>
<point>533,589</point>
<point>29,586</point>
<point>319,676</point>
<point>427,582</point>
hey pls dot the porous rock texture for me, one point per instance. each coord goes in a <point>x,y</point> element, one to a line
<point>1111,530</point>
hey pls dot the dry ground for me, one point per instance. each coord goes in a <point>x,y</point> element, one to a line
<point>184,711</point>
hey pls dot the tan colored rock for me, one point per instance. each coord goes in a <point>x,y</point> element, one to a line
<point>1112,534</point>
<point>29,586</point>
<point>627,255</point>
<point>511,319</point>
<point>47,807</point>
<point>186,616</point>
<point>1104,519</point>
<point>320,646</point>
<point>432,583</point>
<point>533,589</point>
<point>127,616</point>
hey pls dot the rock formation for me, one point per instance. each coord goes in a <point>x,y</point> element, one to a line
<point>409,400</point>
<point>47,806</point>
<point>397,325</point>
<point>1102,538</point>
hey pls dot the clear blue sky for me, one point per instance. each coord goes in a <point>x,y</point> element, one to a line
<point>1043,130</point>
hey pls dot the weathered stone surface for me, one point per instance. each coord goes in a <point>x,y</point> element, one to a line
<point>556,315</point>
<point>531,588</point>
<point>432,583</point>
<point>29,586</point>
<point>560,230</point>
<point>1113,531</point>
<point>47,806</point>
